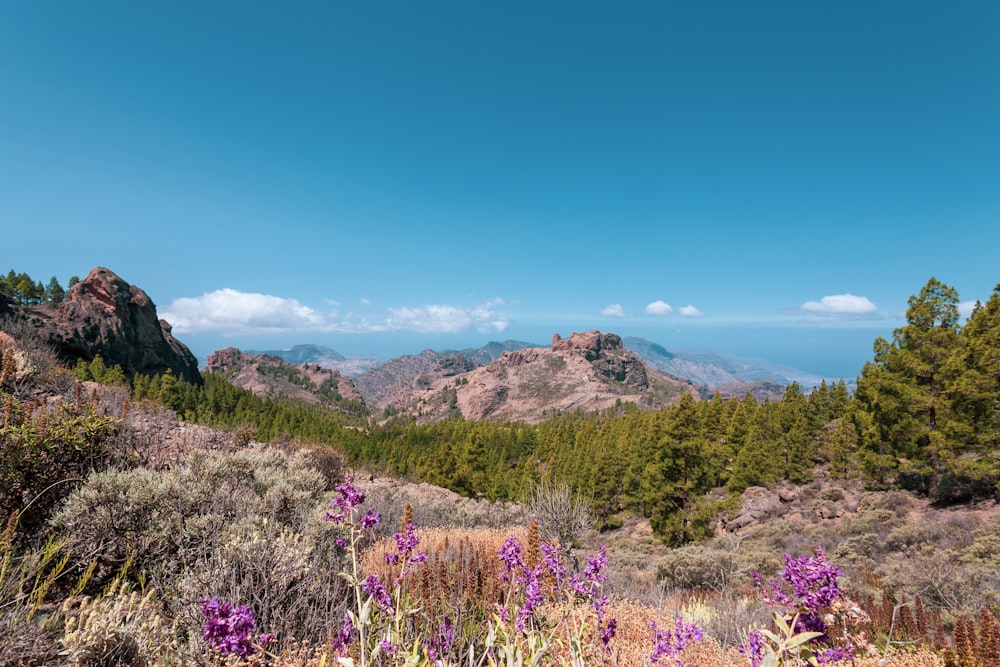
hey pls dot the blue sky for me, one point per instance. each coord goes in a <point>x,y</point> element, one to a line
<point>770,178</point>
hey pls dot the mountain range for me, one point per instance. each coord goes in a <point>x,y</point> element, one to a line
<point>381,381</point>
<point>510,380</point>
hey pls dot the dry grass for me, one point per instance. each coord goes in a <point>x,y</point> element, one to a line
<point>462,570</point>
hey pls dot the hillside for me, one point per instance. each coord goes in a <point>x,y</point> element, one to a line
<point>270,377</point>
<point>586,372</point>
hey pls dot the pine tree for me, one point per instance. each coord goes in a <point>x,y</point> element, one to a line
<point>904,390</point>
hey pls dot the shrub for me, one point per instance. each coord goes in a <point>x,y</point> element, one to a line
<point>44,452</point>
<point>121,628</point>
<point>291,586</point>
<point>161,520</point>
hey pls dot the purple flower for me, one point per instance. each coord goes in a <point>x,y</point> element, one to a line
<point>670,644</point>
<point>439,645</point>
<point>228,629</point>
<point>533,598</point>
<point>808,587</point>
<point>387,646</point>
<point>510,554</point>
<point>344,636</point>
<point>370,519</point>
<point>836,654</point>
<point>553,562</point>
<point>374,587</point>
<point>608,631</point>
<point>341,542</point>
<point>348,497</point>
<point>596,564</point>
<point>753,648</point>
<point>813,583</point>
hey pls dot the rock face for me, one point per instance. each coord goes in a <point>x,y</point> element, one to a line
<point>586,371</point>
<point>104,315</point>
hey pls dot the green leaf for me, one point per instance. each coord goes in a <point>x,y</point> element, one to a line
<point>801,638</point>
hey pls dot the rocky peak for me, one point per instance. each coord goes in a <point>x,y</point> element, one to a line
<point>220,360</point>
<point>104,315</point>
<point>606,354</point>
<point>589,343</point>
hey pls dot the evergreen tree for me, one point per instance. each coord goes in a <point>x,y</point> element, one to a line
<point>794,435</point>
<point>54,292</point>
<point>904,390</point>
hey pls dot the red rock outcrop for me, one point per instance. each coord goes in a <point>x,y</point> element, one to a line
<point>104,315</point>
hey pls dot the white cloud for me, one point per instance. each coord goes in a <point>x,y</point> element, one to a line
<point>445,319</point>
<point>659,308</point>
<point>690,311</point>
<point>966,307</point>
<point>841,304</point>
<point>230,310</point>
<point>613,310</point>
<point>234,312</point>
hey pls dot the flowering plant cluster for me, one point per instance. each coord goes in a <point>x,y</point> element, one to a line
<point>229,629</point>
<point>531,587</point>
<point>670,644</point>
<point>807,591</point>
<point>383,627</point>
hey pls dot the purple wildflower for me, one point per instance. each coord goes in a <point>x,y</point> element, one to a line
<point>406,544</point>
<point>808,587</point>
<point>813,582</point>
<point>374,587</point>
<point>439,645</point>
<point>370,519</point>
<point>533,598</point>
<point>596,564</point>
<point>510,554</point>
<point>753,648</point>
<point>836,654</point>
<point>228,629</point>
<point>387,646</point>
<point>344,636</point>
<point>670,644</point>
<point>553,563</point>
<point>608,631</point>
<point>348,497</point>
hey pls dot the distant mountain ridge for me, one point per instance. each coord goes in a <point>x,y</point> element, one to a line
<point>303,354</point>
<point>720,371</point>
<point>385,383</point>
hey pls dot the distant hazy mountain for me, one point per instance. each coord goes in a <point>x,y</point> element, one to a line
<point>303,354</point>
<point>492,350</point>
<point>324,356</point>
<point>712,370</point>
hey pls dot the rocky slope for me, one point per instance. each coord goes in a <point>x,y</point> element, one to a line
<point>271,377</point>
<point>392,383</point>
<point>104,315</point>
<point>587,372</point>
